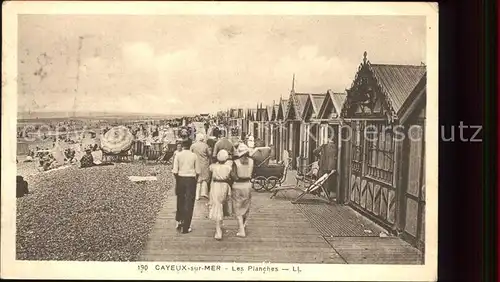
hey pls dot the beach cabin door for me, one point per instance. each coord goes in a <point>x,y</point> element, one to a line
<point>344,167</point>
<point>414,196</point>
<point>357,159</point>
<point>313,141</point>
<point>295,143</point>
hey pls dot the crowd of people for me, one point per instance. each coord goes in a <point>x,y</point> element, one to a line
<point>219,171</point>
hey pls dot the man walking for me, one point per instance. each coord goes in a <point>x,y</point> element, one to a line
<point>328,155</point>
<point>186,171</point>
<point>223,144</point>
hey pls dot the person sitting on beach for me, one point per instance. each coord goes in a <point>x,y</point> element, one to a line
<point>48,162</point>
<point>21,187</point>
<point>87,159</point>
<point>314,171</point>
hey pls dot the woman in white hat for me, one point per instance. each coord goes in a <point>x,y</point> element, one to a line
<point>242,187</point>
<point>220,189</point>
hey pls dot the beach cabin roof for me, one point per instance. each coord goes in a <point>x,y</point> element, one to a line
<point>296,105</point>
<point>252,114</point>
<point>381,89</point>
<point>261,114</point>
<point>416,100</point>
<point>269,110</point>
<point>312,106</point>
<point>274,116</point>
<point>331,106</point>
<point>282,109</point>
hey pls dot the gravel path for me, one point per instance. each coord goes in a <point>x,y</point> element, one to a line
<point>93,214</point>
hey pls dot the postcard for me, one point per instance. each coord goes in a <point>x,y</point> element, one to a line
<point>220,141</point>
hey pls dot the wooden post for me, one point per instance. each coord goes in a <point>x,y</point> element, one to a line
<point>340,190</point>
<point>400,168</point>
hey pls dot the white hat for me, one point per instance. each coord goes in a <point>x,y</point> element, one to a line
<point>222,155</point>
<point>242,149</point>
<point>251,144</point>
<point>250,138</point>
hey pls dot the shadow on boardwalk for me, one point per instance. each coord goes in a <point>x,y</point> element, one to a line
<point>278,232</point>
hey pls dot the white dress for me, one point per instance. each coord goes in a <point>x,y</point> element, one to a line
<point>219,189</point>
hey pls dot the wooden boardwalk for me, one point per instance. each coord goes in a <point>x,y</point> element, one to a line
<point>277,232</point>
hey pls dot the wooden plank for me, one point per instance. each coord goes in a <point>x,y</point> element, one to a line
<point>373,250</point>
<point>251,250</point>
<point>253,240</point>
<point>245,258</point>
<point>277,231</point>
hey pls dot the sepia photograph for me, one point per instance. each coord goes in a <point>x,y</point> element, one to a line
<point>227,141</point>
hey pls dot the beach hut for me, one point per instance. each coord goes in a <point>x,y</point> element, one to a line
<point>311,127</point>
<point>261,118</point>
<point>268,126</point>
<point>385,109</point>
<point>330,123</point>
<point>294,123</point>
<point>280,129</point>
<point>252,122</point>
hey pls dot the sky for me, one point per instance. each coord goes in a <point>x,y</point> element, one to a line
<point>198,64</point>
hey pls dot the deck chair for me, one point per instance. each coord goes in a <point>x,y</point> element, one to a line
<point>318,184</point>
<point>303,176</point>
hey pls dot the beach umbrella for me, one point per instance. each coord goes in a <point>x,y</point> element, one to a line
<point>118,139</point>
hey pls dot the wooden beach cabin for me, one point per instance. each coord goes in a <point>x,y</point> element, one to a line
<point>309,138</point>
<point>386,176</point>
<point>252,122</point>
<point>274,129</point>
<point>295,109</point>
<point>245,126</point>
<point>268,125</point>
<point>261,118</point>
<point>281,135</point>
<point>330,121</point>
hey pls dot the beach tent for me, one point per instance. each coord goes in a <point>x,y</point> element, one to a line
<point>58,154</point>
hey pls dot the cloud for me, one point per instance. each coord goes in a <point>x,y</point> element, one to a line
<point>138,55</point>
<point>313,72</point>
<point>182,64</point>
<point>202,78</point>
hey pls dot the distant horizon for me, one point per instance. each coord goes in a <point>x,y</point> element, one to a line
<point>77,114</point>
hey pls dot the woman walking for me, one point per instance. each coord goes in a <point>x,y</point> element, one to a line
<point>241,190</point>
<point>202,151</point>
<point>220,190</point>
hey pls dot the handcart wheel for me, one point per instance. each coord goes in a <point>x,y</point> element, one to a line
<point>259,183</point>
<point>272,182</point>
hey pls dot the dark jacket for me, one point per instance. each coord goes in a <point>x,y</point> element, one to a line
<point>328,155</point>
<point>225,144</point>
